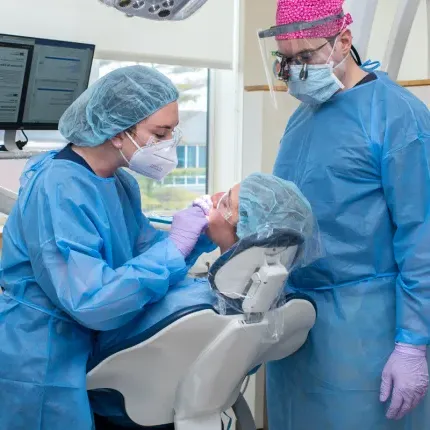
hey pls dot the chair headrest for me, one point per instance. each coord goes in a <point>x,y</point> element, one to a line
<point>233,269</point>
<point>281,238</point>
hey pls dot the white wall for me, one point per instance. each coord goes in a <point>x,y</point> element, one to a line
<point>423,93</point>
<point>223,151</point>
<point>415,60</point>
<point>263,125</point>
<point>203,40</point>
<point>10,171</point>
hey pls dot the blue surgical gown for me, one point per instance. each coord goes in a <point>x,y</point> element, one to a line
<point>363,161</point>
<point>78,257</point>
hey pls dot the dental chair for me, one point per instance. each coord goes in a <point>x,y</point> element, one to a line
<point>189,368</point>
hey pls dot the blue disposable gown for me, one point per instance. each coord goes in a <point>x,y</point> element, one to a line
<point>78,256</point>
<point>362,159</point>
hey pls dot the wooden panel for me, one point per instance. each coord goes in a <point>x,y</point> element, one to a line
<point>417,83</point>
<point>257,88</point>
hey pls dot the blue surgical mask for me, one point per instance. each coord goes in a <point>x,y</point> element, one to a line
<point>314,84</point>
<point>320,85</point>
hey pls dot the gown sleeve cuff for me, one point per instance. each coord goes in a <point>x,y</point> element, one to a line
<point>411,338</point>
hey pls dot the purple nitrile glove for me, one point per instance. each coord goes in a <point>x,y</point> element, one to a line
<point>205,203</point>
<point>187,226</point>
<point>406,375</point>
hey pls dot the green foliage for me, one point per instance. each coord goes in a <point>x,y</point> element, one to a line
<point>184,98</point>
<point>165,200</point>
<point>197,171</point>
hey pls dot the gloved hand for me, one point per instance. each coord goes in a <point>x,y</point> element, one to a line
<point>406,374</point>
<point>187,226</point>
<point>205,203</point>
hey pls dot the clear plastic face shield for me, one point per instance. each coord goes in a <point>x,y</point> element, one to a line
<point>157,10</point>
<point>295,60</point>
<point>225,208</point>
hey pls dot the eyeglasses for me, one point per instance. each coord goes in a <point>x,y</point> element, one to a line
<point>225,207</point>
<point>176,139</point>
<point>282,63</point>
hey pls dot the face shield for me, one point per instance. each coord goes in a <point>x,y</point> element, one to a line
<point>225,208</point>
<point>289,60</point>
<point>157,10</point>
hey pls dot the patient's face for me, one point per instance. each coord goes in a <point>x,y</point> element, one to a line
<point>224,217</point>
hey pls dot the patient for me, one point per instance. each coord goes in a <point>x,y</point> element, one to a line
<point>258,205</point>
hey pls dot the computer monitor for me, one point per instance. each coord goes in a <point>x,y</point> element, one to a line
<point>39,80</point>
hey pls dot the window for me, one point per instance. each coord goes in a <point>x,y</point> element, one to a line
<point>202,156</point>
<point>191,156</point>
<point>188,181</point>
<point>181,157</point>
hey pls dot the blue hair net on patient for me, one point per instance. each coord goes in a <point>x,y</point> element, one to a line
<point>267,202</point>
<point>114,103</point>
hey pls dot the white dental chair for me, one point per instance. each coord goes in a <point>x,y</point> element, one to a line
<point>190,369</point>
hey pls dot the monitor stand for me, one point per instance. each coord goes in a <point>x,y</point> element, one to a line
<point>10,142</point>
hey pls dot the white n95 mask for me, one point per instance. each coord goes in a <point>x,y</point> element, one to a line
<point>157,158</point>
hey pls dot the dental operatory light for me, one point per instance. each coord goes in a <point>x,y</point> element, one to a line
<point>157,10</point>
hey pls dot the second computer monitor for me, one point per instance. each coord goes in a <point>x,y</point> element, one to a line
<point>39,80</point>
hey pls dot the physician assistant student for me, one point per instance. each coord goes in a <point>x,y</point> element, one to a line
<point>78,254</point>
